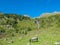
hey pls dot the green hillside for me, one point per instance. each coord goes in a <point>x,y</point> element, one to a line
<point>21,28</point>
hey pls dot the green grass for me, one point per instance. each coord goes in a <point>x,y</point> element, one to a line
<point>46,36</point>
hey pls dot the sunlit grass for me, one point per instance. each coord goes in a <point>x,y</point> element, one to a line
<point>46,36</point>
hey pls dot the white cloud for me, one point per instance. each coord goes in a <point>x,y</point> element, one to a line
<point>26,15</point>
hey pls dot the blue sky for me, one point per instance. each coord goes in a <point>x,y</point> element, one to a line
<point>33,8</point>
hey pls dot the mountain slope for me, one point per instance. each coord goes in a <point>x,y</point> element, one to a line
<point>20,29</point>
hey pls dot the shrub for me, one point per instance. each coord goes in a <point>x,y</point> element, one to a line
<point>2,31</point>
<point>13,35</point>
<point>29,29</point>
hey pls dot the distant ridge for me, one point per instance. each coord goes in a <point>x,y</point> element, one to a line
<point>48,14</point>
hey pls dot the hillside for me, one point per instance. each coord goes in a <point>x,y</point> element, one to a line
<point>50,21</point>
<point>21,28</point>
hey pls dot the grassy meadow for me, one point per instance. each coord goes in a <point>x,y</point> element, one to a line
<point>22,31</point>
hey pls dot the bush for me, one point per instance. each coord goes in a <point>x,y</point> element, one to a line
<point>17,31</point>
<point>29,29</point>
<point>25,32</point>
<point>2,31</point>
<point>13,35</point>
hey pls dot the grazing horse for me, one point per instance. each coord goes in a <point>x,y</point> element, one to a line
<point>34,39</point>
